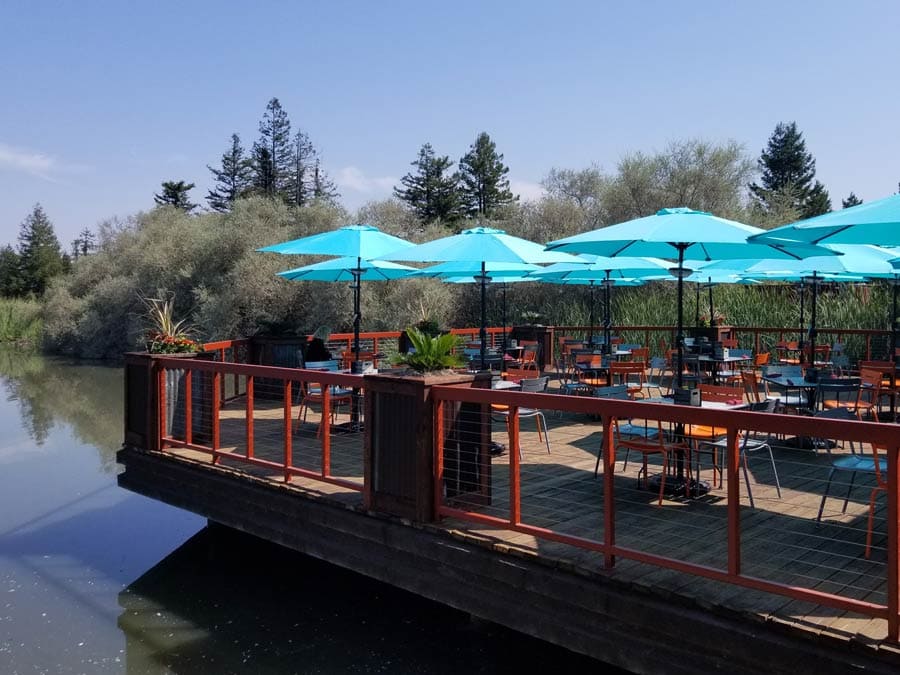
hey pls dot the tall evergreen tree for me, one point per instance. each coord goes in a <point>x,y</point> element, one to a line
<point>10,272</point>
<point>852,200</point>
<point>485,186</point>
<point>83,244</point>
<point>323,186</point>
<point>275,137</point>
<point>232,180</point>
<point>302,174</point>
<point>175,193</point>
<point>786,163</point>
<point>40,257</point>
<point>432,191</point>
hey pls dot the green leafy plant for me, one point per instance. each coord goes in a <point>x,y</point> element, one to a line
<point>431,352</point>
<point>166,335</point>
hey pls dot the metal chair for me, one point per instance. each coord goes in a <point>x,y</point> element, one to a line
<point>533,385</point>
<point>312,393</point>
<point>654,445</point>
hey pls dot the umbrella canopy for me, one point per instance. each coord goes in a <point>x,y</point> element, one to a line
<point>359,242</point>
<point>494,279</point>
<point>875,222</point>
<point>349,269</point>
<point>481,245</point>
<point>680,233</point>
<point>355,241</point>
<point>603,267</point>
<point>473,269</point>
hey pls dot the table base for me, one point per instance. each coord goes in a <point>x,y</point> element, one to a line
<point>675,486</point>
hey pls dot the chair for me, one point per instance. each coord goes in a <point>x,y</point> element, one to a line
<point>787,399</point>
<point>749,444</point>
<point>729,343</point>
<point>640,354</point>
<point>731,376</point>
<point>875,466</point>
<point>703,435</point>
<point>630,373</point>
<point>311,393</point>
<point>347,358</point>
<point>653,445</point>
<point>752,392</point>
<point>533,385</point>
<point>760,360</point>
<point>654,379</point>
<point>617,391</point>
<point>838,392</point>
<point>588,369</point>
<point>518,374</point>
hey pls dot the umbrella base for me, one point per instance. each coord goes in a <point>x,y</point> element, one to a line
<point>677,486</point>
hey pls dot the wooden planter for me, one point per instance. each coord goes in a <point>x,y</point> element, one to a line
<point>399,444</point>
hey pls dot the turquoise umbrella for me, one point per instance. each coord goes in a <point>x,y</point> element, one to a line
<point>484,246</point>
<point>875,222</point>
<point>680,233</point>
<point>349,269</point>
<point>362,242</point>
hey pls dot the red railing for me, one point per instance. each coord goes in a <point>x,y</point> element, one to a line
<point>731,572</point>
<point>282,384</point>
<point>376,339</point>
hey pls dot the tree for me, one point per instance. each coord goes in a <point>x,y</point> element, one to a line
<point>852,200</point>
<point>302,173</point>
<point>232,180</point>
<point>485,186</point>
<point>785,162</point>
<point>83,244</point>
<point>323,187</point>
<point>40,257</point>
<point>584,187</point>
<point>10,272</point>
<point>274,173</point>
<point>175,193</point>
<point>432,192</point>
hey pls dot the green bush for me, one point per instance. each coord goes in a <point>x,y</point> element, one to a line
<point>20,320</point>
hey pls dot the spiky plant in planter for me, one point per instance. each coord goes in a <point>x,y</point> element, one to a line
<point>432,353</point>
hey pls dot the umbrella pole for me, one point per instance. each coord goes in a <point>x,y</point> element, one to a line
<point>483,333</point>
<point>894,283</point>
<point>802,323</point>
<point>357,273</point>
<point>697,307</point>
<point>504,317</point>
<point>812,322</point>
<point>607,321</point>
<point>712,317</point>
<point>679,336</point>
<point>591,316</point>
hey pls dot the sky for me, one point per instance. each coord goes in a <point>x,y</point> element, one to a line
<point>102,101</point>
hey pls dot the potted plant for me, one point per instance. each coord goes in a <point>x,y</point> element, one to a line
<point>166,335</point>
<point>431,352</point>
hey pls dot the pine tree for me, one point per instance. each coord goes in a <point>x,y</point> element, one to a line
<point>175,193</point>
<point>304,158</point>
<point>786,163</point>
<point>274,167</point>
<point>232,180</point>
<point>40,257</point>
<point>485,186</point>
<point>432,192</point>
<point>83,244</point>
<point>323,187</point>
<point>10,272</point>
<point>852,200</point>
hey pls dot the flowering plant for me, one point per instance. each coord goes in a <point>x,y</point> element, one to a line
<point>718,319</point>
<point>167,336</point>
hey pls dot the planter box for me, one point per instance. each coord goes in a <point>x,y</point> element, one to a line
<point>399,444</point>
<point>711,333</point>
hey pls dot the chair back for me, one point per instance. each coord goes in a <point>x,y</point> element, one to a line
<point>729,343</point>
<point>629,371</point>
<point>841,389</point>
<point>519,374</point>
<point>741,353</point>
<point>750,380</point>
<point>331,365</point>
<point>617,391</point>
<point>761,359</point>
<point>641,354</point>
<point>719,394</point>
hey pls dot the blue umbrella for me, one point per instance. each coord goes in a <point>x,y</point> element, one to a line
<point>481,245</point>
<point>875,222</point>
<point>362,242</point>
<point>680,233</point>
<point>349,269</point>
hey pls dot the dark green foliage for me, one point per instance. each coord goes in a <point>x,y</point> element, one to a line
<point>431,192</point>
<point>485,186</point>
<point>323,187</point>
<point>784,165</point>
<point>10,272</point>
<point>175,193</point>
<point>233,179</point>
<point>274,167</point>
<point>431,352</point>
<point>40,257</point>
<point>84,244</point>
<point>852,200</point>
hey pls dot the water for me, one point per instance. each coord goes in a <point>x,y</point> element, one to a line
<point>95,579</point>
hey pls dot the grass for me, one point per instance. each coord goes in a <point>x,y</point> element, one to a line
<point>20,320</point>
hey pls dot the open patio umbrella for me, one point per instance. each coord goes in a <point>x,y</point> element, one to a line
<point>608,272</point>
<point>875,223</point>
<point>481,245</point>
<point>680,233</point>
<point>359,242</point>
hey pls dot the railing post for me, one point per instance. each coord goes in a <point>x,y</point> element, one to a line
<point>732,471</point>
<point>515,487</point>
<point>609,495</point>
<point>438,456</point>
<point>893,543</point>
<point>288,431</point>
<point>161,406</point>
<point>189,408</point>
<point>326,433</point>
<point>248,417</point>
<point>216,404</point>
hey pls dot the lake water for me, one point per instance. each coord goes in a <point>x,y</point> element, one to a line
<point>95,579</point>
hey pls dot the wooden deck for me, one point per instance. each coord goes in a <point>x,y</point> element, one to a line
<point>781,540</point>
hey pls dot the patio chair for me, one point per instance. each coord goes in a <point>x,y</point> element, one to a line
<point>654,379</point>
<point>311,393</point>
<point>838,392</point>
<point>630,373</point>
<point>874,466</point>
<point>653,445</point>
<point>533,385</point>
<point>702,435</point>
<point>750,443</point>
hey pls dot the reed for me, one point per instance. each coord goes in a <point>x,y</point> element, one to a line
<point>20,320</point>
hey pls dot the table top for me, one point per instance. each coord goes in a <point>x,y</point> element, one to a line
<point>505,384</point>
<point>799,382</point>
<point>706,405</point>
<point>721,359</point>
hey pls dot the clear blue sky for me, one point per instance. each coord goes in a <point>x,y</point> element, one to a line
<point>101,101</point>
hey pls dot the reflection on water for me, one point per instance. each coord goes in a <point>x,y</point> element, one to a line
<point>98,580</point>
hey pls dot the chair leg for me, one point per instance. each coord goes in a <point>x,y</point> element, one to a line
<point>775,473</point>
<point>540,419</point>
<point>744,466</point>
<point>662,480</point>
<point>599,455</point>
<point>849,488</point>
<point>871,524</point>
<point>825,496</point>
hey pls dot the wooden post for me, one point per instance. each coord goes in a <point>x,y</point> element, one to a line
<point>732,472</point>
